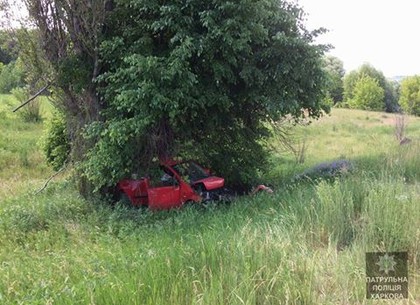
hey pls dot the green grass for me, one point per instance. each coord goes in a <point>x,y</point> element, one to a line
<point>345,134</point>
<point>305,244</point>
<point>21,161</point>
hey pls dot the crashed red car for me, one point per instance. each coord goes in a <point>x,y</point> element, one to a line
<point>180,182</point>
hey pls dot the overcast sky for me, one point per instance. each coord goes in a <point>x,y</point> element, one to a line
<point>382,33</point>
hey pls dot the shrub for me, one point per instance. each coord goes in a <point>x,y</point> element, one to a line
<point>56,144</point>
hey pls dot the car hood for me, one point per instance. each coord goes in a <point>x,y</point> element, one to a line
<point>211,183</point>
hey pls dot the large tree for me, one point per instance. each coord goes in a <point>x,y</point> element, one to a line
<point>390,98</point>
<point>202,79</point>
<point>367,94</point>
<point>193,78</point>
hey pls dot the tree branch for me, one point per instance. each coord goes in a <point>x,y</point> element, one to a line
<point>32,98</point>
<point>50,178</point>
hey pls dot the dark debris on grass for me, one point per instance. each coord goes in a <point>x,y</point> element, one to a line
<point>326,170</point>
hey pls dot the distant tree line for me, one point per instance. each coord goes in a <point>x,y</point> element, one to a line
<point>11,66</point>
<point>367,88</point>
<point>20,68</point>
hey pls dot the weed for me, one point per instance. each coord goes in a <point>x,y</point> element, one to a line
<point>400,127</point>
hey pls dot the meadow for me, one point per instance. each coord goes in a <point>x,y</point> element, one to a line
<point>304,244</point>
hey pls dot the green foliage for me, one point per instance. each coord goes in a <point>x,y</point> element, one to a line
<point>201,79</point>
<point>12,76</point>
<point>390,98</point>
<point>410,95</point>
<point>349,82</point>
<point>56,144</point>
<point>74,72</point>
<point>9,49</point>
<point>37,71</point>
<point>245,162</point>
<point>367,94</point>
<point>392,95</point>
<point>31,112</point>
<point>27,66</point>
<point>335,72</point>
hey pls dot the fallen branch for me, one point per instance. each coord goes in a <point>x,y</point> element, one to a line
<point>50,178</point>
<point>32,98</point>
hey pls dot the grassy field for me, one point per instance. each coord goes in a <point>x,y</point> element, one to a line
<point>21,160</point>
<point>305,244</point>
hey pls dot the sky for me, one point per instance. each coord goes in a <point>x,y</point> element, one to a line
<point>382,33</point>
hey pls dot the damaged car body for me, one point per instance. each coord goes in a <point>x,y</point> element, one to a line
<point>180,182</point>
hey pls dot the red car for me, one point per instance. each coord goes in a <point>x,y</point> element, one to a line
<point>180,182</point>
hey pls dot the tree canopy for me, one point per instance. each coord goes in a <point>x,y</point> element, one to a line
<point>367,94</point>
<point>410,95</point>
<point>389,100</point>
<point>8,47</point>
<point>199,79</point>
<point>335,72</point>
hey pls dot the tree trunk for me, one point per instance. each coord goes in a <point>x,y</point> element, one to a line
<point>70,30</point>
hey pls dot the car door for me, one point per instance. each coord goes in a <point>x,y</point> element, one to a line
<point>165,197</point>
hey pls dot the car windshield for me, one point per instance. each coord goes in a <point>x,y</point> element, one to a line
<point>190,171</point>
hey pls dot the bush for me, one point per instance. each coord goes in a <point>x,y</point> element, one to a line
<point>56,144</point>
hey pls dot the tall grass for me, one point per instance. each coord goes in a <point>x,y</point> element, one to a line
<point>305,244</point>
<point>20,157</point>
